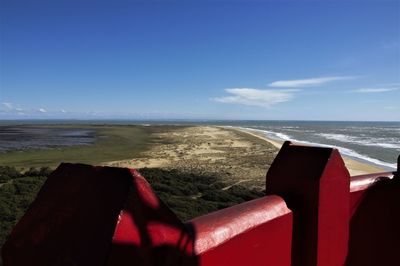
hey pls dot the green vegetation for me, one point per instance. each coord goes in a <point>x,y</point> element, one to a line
<point>17,191</point>
<point>190,195</point>
<point>112,143</point>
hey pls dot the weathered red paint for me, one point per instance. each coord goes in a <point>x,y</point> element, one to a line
<point>315,183</point>
<point>257,232</point>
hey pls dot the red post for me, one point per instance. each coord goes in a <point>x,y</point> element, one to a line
<point>315,183</point>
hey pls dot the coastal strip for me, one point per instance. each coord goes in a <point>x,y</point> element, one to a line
<point>355,167</point>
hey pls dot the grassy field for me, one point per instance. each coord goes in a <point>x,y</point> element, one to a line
<point>112,143</point>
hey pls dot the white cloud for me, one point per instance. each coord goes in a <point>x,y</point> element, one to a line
<point>374,90</point>
<point>8,105</point>
<point>9,110</point>
<point>307,82</point>
<point>256,97</point>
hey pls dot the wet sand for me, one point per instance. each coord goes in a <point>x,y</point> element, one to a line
<point>354,167</point>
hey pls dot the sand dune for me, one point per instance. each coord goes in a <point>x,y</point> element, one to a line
<point>230,155</point>
<point>234,155</point>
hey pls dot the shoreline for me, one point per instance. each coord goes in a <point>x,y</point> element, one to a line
<point>353,166</point>
<point>198,144</point>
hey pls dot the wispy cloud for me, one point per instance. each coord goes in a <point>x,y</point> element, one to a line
<point>374,90</point>
<point>256,97</point>
<point>12,110</point>
<point>296,83</point>
<point>8,105</point>
<point>9,109</point>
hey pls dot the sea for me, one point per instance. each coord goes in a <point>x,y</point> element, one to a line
<point>376,143</point>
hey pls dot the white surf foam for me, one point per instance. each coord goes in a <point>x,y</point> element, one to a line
<point>361,141</point>
<point>345,151</point>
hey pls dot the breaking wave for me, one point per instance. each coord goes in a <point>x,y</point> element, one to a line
<point>339,137</point>
<point>378,142</point>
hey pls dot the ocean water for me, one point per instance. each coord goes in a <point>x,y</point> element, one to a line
<point>376,143</point>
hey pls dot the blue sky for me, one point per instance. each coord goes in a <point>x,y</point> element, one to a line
<point>295,60</point>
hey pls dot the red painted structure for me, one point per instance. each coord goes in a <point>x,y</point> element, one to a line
<point>315,184</point>
<point>313,214</point>
<point>375,220</point>
<point>257,232</point>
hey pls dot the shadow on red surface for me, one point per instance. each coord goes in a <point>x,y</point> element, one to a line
<point>375,226</point>
<point>87,215</point>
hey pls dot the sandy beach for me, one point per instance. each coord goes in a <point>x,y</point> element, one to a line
<point>234,155</point>
<point>354,167</point>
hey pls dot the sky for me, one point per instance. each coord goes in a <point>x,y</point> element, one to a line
<point>268,60</point>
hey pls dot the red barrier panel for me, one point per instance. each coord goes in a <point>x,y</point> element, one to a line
<point>254,233</point>
<point>87,215</point>
<point>375,222</point>
<point>360,184</point>
<point>315,183</point>
<point>148,232</point>
<point>72,219</point>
